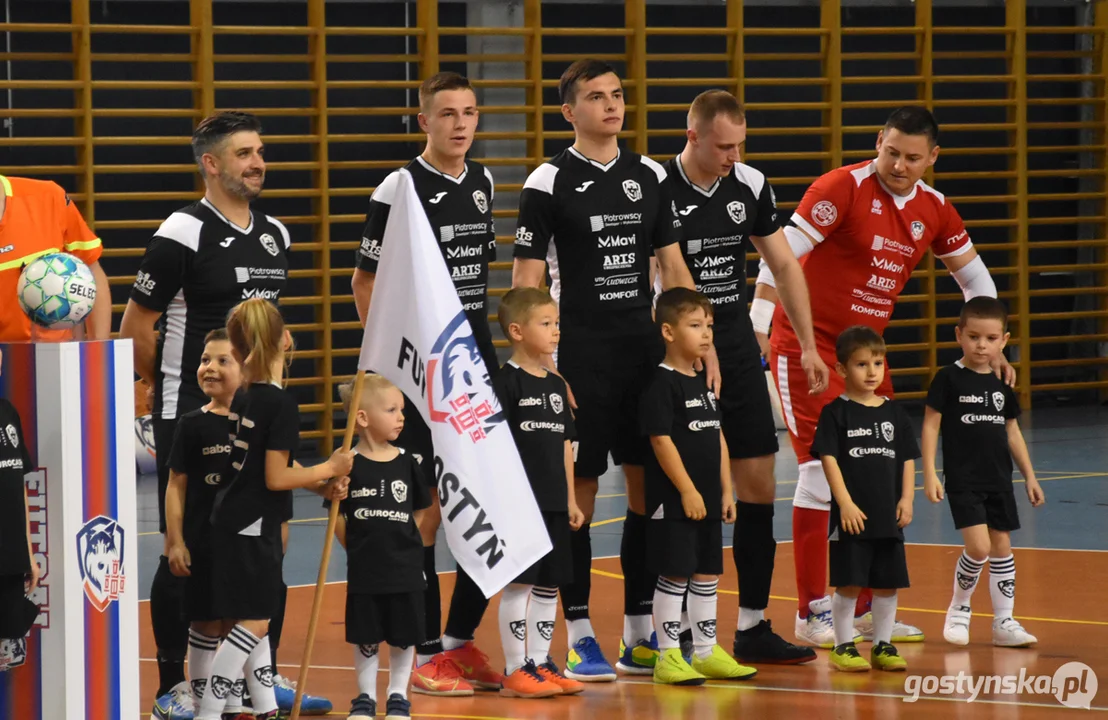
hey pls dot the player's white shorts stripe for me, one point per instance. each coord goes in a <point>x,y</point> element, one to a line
<point>783,391</point>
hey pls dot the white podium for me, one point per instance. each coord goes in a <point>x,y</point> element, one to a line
<point>77,406</point>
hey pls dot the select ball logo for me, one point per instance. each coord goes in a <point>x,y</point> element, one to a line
<point>100,548</point>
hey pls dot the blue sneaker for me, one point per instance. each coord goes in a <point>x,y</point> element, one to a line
<point>284,691</point>
<point>177,704</point>
<point>585,662</point>
<point>398,707</point>
<point>640,659</point>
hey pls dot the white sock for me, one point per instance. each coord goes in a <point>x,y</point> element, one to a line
<point>884,614</point>
<point>259,678</point>
<point>842,617</point>
<point>452,643</point>
<point>540,622</point>
<point>1002,586</point>
<point>238,690</point>
<point>702,614</point>
<point>637,629</point>
<point>749,619</point>
<point>400,670</point>
<point>966,574</point>
<point>367,660</point>
<point>228,662</point>
<point>513,626</point>
<point>202,650</point>
<point>578,630</point>
<point>667,611</point>
<point>422,659</point>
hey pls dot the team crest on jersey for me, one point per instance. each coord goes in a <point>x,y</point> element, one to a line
<point>737,211</point>
<point>712,400</point>
<point>399,490</point>
<point>556,403</point>
<point>459,391</point>
<point>824,213</point>
<point>100,548</point>
<point>998,401</point>
<point>887,431</point>
<point>270,244</point>
<point>917,229</point>
<point>633,190</point>
<point>13,436</point>
<point>481,201</point>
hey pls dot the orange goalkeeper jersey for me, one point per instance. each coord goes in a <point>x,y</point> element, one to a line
<point>39,218</point>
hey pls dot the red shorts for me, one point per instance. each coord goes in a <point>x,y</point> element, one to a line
<point>801,410</point>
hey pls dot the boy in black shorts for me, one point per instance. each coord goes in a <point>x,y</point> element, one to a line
<point>977,415</point>
<point>688,493</point>
<point>19,573</point>
<point>378,525</point>
<point>537,405</point>
<point>868,449</point>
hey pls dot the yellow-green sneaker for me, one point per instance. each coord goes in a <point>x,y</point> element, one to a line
<point>721,666</point>
<point>846,658</point>
<point>885,657</point>
<point>671,669</point>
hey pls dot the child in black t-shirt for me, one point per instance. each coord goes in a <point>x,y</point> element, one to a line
<point>198,465</point>
<point>688,493</point>
<point>977,415</point>
<point>537,404</point>
<point>378,524</point>
<point>868,449</point>
<point>19,573</point>
<point>250,506</point>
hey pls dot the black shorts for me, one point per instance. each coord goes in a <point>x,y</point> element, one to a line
<point>198,588</point>
<point>396,619</point>
<point>555,569</point>
<point>997,509</point>
<point>607,379</point>
<point>748,425</point>
<point>683,548</point>
<point>163,442</point>
<point>246,575</point>
<point>877,563</point>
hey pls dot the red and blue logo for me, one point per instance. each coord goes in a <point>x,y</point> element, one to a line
<point>100,546</point>
<point>459,390</point>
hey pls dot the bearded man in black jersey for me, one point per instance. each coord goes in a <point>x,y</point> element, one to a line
<point>456,194</point>
<point>202,261</point>
<point>593,216</point>
<point>725,206</point>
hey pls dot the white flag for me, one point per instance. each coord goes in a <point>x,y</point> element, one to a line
<point>417,336</point>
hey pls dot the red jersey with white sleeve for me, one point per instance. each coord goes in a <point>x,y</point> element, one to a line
<point>869,242</point>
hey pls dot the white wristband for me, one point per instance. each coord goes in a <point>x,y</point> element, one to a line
<point>761,314</point>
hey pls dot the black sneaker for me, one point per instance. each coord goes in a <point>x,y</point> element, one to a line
<point>398,707</point>
<point>362,707</point>
<point>761,646</point>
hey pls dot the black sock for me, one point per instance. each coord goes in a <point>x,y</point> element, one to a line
<point>277,624</point>
<point>638,582</point>
<point>575,595</point>
<point>432,606</point>
<point>467,607</point>
<point>754,549</point>
<point>171,629</point>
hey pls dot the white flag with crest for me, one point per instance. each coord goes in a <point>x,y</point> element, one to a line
<point>418,337</point>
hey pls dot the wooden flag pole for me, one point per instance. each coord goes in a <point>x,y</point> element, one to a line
<point>332,519</point>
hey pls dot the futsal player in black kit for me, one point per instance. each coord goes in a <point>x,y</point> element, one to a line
<point>457,195</point>
<point>592,216</point>
<point>726,206</point>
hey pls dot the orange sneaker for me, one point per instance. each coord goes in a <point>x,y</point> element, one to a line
<point>527,683</point>
<point>440,676</point>
<point>475,667</point>
<point>549,672</point>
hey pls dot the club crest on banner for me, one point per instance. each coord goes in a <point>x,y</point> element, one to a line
<point>459,391</point>
<point>100,551</point>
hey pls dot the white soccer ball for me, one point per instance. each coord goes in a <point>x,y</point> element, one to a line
<point>56,291</point>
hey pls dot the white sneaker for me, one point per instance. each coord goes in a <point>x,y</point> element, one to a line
<point>902,632</point>
<point>956,626</point>
<point>1007,632</point>
<point>817,629</point>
